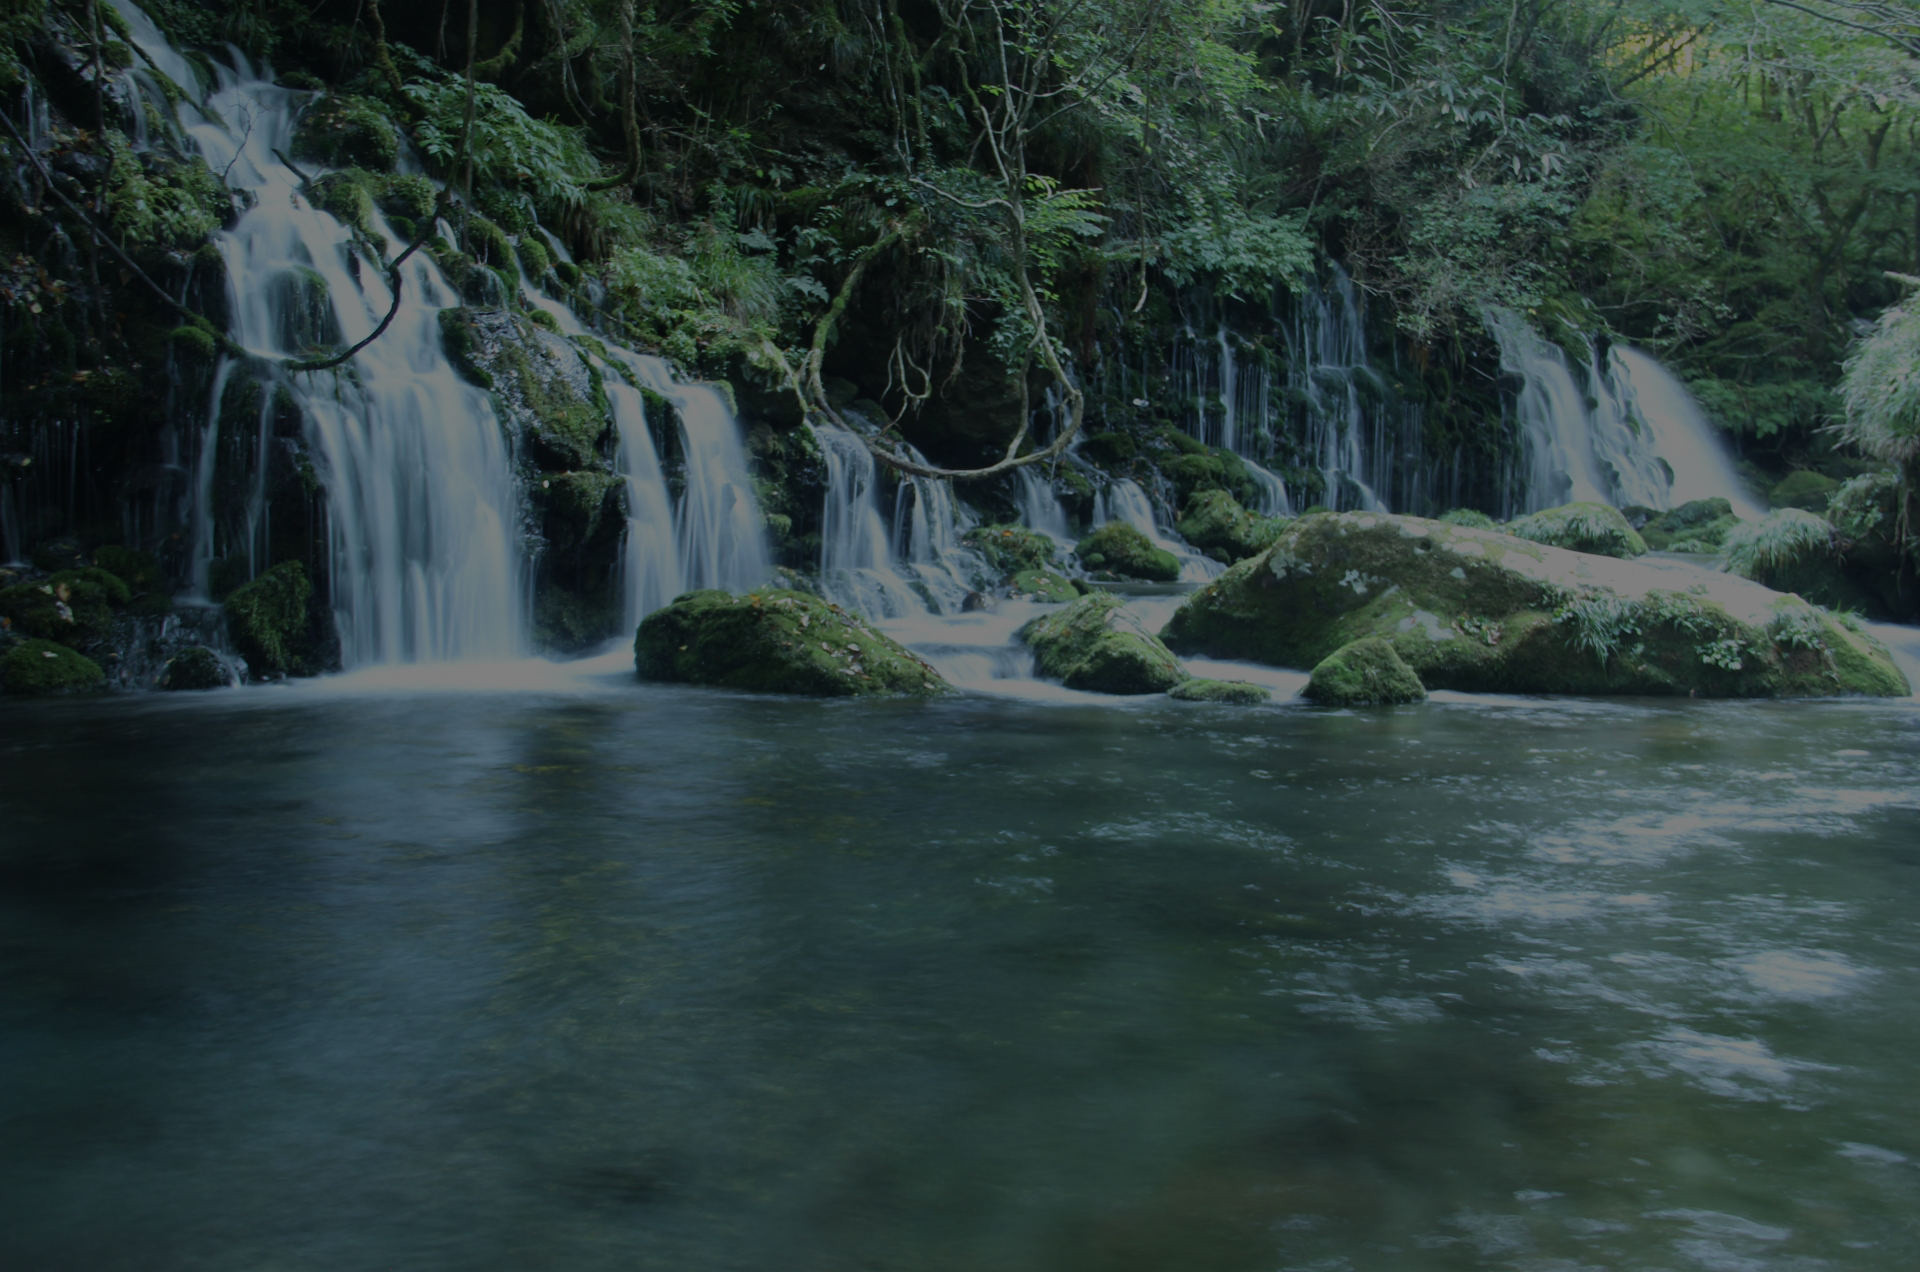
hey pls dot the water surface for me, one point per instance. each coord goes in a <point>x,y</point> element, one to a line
<point>591,974</point>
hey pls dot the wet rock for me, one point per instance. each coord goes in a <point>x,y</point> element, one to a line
<point>268,622</point>
<point>195,667</point>
<point>342,131</point>
<point>1119,549</point>
<point>978,602</point>
<point>1364,673</point>
<point>777,641</point>
<point>42,667</point>
<point>1099,645</point>
<point>1581,527</point>
<point>1215,523</point>
<point>1042,585</point>
<point>1235,693</point>
<point>1483,611</point>
<point>1010,549</point>
<point>1697,526</point>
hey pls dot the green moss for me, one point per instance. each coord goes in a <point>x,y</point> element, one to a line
<point>1119,548</point>
<point>268,620</point>
<point>347,196</point>
<point>534,258</point>
<point>1367,672</point>
<point>1698,526</point>
<point>777,641</point>
<point>1468,517</point>
<point>1582,527</point>
<point>407,195</point>
<point>1043,585</point>
<point>1237,693</point>
<point>194,342</point>
<point>43,667</point>
<point>1803,489</point>
<point>1010,549</point>
<point>341,131</point>
<point>73,607</point>
<point>141,574</point>
<point>1098,645</point>
<point>195,667</point>
<point>457,338</point>
<point>1215,523</point>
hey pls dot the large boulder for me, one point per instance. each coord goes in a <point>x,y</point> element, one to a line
<point>776,641</point>
<point>1581,527</point>
<point>43,667</point>
<point>1010,549</point>
<point>1483,611</point>
<point>1099,645</point>
<point>1215,523</point>
<point>268,621</point>
<point>1365,673</point>
<point>1232,693</point>
<point>1119,548</point>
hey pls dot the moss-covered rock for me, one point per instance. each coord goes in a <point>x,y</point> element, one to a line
<point>1215,523</point>
<point>1803,489</point>
<point>1697,526</point>
<point>268,621</point>
<point>195,667</point>
<point>72,607</point>
<point>342,131</point>
<point>776,641</point>
<point>542,386</point>
<point>1233,693</point>
<point>1010,549</point>
<point>141,574</point>
<point>1468,517</point>
<point>44,667</point>
<point>1099,645</point>
<point>1483,611</point>
<point>1363,673</point>
<point>1582,527</point>
<point>1118,548</point>
<point>1042,585</point>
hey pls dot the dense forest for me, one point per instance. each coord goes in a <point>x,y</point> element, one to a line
<point>987,228</point>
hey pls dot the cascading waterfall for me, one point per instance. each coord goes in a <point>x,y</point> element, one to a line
<point>1040,509</point>
<point>1232,408</point>
<point>1623,431</point>
<point>914,563</point>
<point>1329,370</point>
<point>426,561</point>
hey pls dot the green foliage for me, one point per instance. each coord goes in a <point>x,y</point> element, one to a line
<point>1881,387</point>
<point>267,619</point>
<point>343,131</point>
<point>1777,542</point>
<point>158,202</point>
<point>1581,527</point>
<point>547,162</point>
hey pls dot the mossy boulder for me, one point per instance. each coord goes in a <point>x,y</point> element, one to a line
<point>1010,549</point>
<point>195,667</point>
<point>541,385</point>
<point>1042,585</point>
<point>777,641</point>
<point>1582,527</point>
<point>1119,548</point>
<point>1483,611</point>
<point>1215,523</point>
<point>343,131</point>
<point>1806,490</point>
<point>268,620</point>
<point>1697,526</point>
<point>1099,645</point>
<point>72,607</point>
<point>1469,517</point>
<point>44,667</point>
<point>1233,693</point>
<point>1366,672</point>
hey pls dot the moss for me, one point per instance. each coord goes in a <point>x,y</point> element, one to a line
<point>1698,526</point>
<point>1468,517</point>
<point>488,243</point>
<point>268,620</point>
<point>73,607</point>
<point>1366,672</point>
<point>1215,523</point>
<point>407,195</point>
<point>1806,490</point>
<point>195,667</point>
<point>141,574</point>
<point>1042,585</point>
<point>1119,548</point>
<point>776,641</point>
<point>347,196</point>
<point>1481,611</point>
<point>341,131</point>
<point>457,338</point>
<point>1010,549</point>
<point>193,342</point>
<point>1111,451</point>
<point>1098,645</point>
<point>534,258</point>
<point>1582,527</point>
<point>43,667</point>
<point>1237,693</point>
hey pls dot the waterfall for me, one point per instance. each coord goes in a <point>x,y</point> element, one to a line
<point>1124,500</point>
<point>1328,348</point>
<point>1231,407</point>
<point>1683,438</point>
<point>423,510</point>
<point>1040,510</point>
<point>913,563</point>
<point>1622,431</point>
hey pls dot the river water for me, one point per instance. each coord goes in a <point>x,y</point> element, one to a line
<point>582,973</point>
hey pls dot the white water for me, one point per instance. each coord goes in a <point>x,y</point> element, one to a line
<point>1683,438</point>
<point>426,561</point>
<point>1622,432</point>
<point>1124,500</point>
